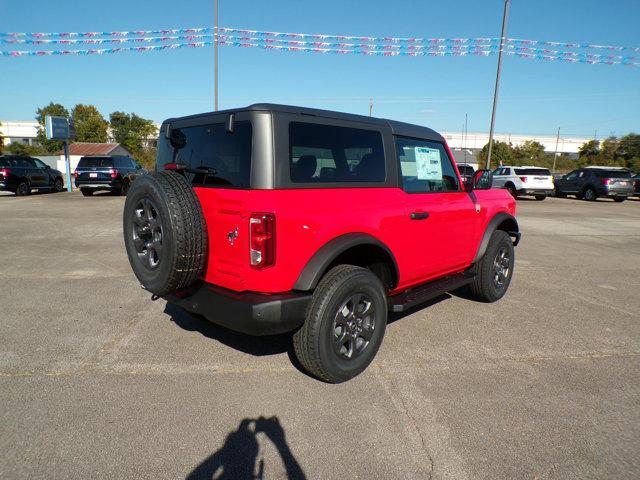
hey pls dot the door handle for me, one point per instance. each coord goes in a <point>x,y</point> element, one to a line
<point>419,215</point>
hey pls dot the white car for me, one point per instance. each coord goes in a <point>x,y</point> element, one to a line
<point>527,180</point>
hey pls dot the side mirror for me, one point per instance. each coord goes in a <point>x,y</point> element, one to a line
<point>481,180</point>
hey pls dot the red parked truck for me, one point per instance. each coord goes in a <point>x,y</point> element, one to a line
<point>271,218</point>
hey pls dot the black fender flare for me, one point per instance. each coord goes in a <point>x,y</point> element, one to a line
<point>492,226</point>
<point>320,261</point>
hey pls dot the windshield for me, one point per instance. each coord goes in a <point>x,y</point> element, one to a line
<point>95,162</point>
<point>532,171</point>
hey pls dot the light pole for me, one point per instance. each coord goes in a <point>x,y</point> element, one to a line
<point>555,154</point>
<point>495,92</point>
<point>215,53</point>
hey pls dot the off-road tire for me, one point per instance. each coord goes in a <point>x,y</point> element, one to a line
<point>483,286</point>
<point>540,197</point>
<point>183,232</point>
<point>87,192</point>
<point>23,188</point>
<point>313,341</point>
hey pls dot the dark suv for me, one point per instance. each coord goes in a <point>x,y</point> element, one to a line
<point>272,218</point>
<point>20,175</point>
<point>112,172</point>
<point>592,182</point>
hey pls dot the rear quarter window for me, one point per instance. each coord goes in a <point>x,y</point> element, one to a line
<point>613,174</point>
<point>331,154</point>
<point>226,155</point>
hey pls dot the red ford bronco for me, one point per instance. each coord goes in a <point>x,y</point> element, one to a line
<point>271,219</point>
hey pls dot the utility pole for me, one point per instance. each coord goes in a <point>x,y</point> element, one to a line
<point>495,92</point>
<point>464,139</point>
<point>555,154</point>
<point>215,53</point>
<point>370,105</point>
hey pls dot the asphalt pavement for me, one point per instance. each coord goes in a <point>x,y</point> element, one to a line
<point>98,381</point>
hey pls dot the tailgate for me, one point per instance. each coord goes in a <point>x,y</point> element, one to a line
<point>94,174</point>
<point>225,212</point>
<point>539,181</point>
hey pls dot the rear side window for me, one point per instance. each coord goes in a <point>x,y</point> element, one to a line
<point>330,154</point>
<point>226,156</point>
<point>95,162</point>
<point>122,162</point>
<point>532,171</point>
<point>613,174</point>
<point>425,166</point>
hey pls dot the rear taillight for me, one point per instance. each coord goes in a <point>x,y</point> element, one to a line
<point>75,174</point>
<point>114,173</point>
<point>605,181</point>
<point>523,179</point>
<point>5,172</point>
<point>262,239</point>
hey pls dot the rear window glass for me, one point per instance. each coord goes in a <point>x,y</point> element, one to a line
<point>613,174</point>
<point>465,169</point>
<point>532,171</point>
<point>95,162</point>
<point>226,156</point>
<point>328,154</point>
<point>122,162</point>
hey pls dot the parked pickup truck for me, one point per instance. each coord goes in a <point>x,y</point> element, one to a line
<point>271,219</point>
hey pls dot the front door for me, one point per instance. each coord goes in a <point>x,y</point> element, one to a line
<point>440,219</point>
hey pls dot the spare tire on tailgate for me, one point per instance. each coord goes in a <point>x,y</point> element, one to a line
<point>164,232</point>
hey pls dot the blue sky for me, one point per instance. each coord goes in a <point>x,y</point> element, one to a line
<point>536,96</point>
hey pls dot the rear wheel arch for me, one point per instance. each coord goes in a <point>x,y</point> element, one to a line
<point>358,249</point>
<point>501,221</point>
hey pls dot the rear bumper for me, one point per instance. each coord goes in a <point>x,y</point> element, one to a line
<point>246,312</point>
<point>617,193</point>
<point>110,185</point>
<point>536,191</point>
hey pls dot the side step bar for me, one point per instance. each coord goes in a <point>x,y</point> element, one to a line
<point>423,293</point>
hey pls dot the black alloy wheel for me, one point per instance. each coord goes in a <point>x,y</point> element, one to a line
<point>147,233</point>
<point>501,267</point>
<point>58,185</point>
<point>23,189</point>
<point>353,326</point>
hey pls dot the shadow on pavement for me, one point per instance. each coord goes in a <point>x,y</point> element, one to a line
<point>258,346</point>
<point>241,457</point>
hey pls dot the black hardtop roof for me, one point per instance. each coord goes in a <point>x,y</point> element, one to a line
<point>398,128</point>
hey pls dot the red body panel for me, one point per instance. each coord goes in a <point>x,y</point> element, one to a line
<point>307,219</point>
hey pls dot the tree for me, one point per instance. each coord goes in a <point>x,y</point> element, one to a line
<point>132,131</point>
<point>529,152</point>
<point>51,146</point>
<point>629,151</point>
<point>17,148</point>
<point>89,124</point>
<point>501,153</point>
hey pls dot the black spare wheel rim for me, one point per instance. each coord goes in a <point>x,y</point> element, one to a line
<point>147,233</point>
<point>164,232</point>
<point>501,267</point>
<point>353,326</point>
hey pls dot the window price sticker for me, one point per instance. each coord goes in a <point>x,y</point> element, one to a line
<point>428,164</point>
